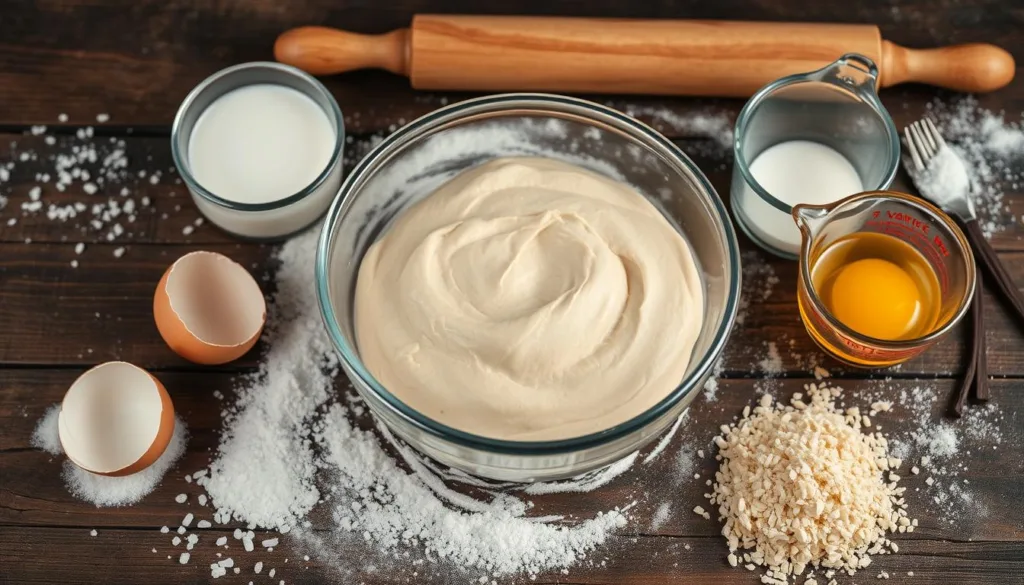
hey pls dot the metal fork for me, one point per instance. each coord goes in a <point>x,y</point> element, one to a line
<point>927,148</point>
<point>930,154</point>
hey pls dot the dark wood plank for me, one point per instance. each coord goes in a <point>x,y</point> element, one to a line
<point>139,67</point>
<point>118,556</point>
<point>99,311</point>
<point>685,548</point>
<point>149,57</point>
<point>105,310</point>
<point>161,210</point>
<point>32,493</point>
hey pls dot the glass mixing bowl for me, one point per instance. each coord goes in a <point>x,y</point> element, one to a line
<point>415,160</point>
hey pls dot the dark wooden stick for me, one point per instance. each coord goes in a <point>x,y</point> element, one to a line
<point>988,258</point>
<point>978,347</point>
<point>967,382</point>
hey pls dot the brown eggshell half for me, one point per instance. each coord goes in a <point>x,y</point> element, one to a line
<point>156,448</point>
<point>173,326</point>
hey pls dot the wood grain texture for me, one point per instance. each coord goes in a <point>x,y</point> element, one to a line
<point>170,212</point>
<point>32,496</point>
<point>100,310</point>
<point>125,557</point>
<point>149,57</point>
<point>661,57</point>
<point>137,62</point>
<point>104,308</point>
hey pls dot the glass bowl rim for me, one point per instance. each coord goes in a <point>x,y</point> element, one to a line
<point>537,102</point>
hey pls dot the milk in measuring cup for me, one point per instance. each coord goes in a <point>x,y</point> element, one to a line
<point>794,172</point>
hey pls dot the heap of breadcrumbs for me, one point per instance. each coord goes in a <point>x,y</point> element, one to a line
<point>804,485</point>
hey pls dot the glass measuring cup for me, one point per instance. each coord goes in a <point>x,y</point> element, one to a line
<point>918,223</point>
<point>835,106</point>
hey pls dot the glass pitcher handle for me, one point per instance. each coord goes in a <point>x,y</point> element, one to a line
<point>852,70</point>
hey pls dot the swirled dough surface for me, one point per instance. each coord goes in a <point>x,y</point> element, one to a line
<point>529,299</point>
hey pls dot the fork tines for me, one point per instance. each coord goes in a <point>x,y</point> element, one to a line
<point>924,141</point>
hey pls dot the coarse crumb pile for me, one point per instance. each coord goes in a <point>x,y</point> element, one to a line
<point>803,485</point>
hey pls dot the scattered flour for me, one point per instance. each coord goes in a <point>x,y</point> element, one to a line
<point>759,282</point>
<point>936,448</point>
<point>106,491</point>
<point>771,363</point>
<point>686,463</point>
<point>715,126</point>
<point>711,385</point>
<point>46,437</point>
<point>993,150</point>
<point>666,439</point>
<point>587,482</point>
<point>289,444</point>
<point>661,515</point>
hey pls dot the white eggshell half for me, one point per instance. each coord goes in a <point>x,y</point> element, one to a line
<point>115,419</point>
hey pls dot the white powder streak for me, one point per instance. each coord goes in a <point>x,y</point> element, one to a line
<point>587,482</point>
<point>661,515</point>
<point>664,442</point>
<point>717,126</point>
<point>393,507</point>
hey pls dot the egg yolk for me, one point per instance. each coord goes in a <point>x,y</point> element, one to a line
<point>877,298</point>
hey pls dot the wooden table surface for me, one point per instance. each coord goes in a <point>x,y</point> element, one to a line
<point>136,61</point>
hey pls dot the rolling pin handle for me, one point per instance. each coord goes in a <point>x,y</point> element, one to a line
<point>974,67</point>
<point>325,51</point>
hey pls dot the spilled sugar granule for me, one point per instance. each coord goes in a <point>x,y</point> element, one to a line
<point>82,182</point>
<point>106,491</point>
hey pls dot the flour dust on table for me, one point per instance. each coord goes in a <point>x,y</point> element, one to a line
<point>992,148</point>
<point>102,490</point>
<point>292,457</point>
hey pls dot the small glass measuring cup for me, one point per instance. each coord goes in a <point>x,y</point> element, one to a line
<point>920,224</point>
<point>835,106</point>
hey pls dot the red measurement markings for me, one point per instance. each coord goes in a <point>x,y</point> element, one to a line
<point>914,231</point>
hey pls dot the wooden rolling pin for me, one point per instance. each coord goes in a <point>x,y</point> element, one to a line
<point>666,57</point>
